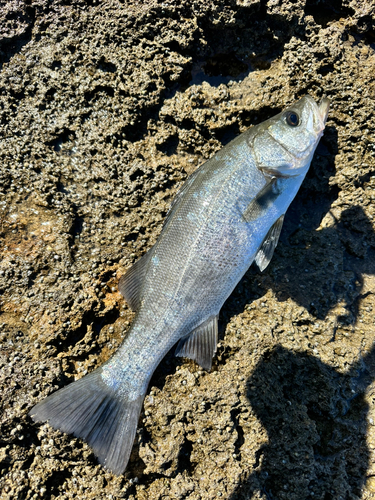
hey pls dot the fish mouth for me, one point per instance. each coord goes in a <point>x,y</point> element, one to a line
<point>323,109</point>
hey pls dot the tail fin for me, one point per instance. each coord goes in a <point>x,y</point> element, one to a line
<point>91,410</point>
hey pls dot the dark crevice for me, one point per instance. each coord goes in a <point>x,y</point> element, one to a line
<point>365,177</point>
<point>106,66</point>
<point>65,136</point>
<point>224,65</point>
<point>135,174</point>
<point>326,12</point>
<point>183,459</point>
<point>235,413</point>
<point>100,89</point>
<point>13,45</point>
<point>258,455</point>
<point>56,480</point>
<point>56,65</point>
<point>169,146</point>
<point>254,117</point>
<point>325,69</point>
<point>324,426</point>
<point>69,339</point>
<point>228,133</point>
<point>131,237</point>
<point>187,124</point>
<point>49,95</point>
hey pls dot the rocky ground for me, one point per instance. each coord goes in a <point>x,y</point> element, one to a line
<point>106,107</point>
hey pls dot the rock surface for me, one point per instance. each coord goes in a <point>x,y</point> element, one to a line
<point>106,107</point>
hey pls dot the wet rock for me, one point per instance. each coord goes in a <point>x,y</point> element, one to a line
<point>106,108</point>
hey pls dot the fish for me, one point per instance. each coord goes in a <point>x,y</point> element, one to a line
<point>227,215</point>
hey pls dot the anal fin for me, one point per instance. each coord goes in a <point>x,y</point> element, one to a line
<point>201,344</point>
<point>265,252</point>
<point>130,283</point>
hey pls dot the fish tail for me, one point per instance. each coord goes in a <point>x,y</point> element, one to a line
<point>90,409</point>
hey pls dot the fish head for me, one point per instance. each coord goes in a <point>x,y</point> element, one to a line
<point>284,145</point>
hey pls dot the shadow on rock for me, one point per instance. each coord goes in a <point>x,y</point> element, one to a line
<point>316,422</point>
<point>330,268</point>
<point>321,260</point>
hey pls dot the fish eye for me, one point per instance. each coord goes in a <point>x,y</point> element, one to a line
<point>292,118</point>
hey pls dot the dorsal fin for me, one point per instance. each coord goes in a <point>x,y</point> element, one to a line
<point>130,284</point>
<point>265,252</point>
<point>201,344</point>
<point>181,192</point>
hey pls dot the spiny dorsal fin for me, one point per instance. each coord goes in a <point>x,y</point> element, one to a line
<point>269,244</point>
<point>201,344</point>
<point>130,284</point>
<point>182,191</point>
<point>266,196</point>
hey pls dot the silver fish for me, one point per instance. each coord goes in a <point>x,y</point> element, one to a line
<point>228,214</point>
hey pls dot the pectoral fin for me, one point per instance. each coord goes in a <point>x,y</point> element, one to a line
<point>269,244</point>
<point>201,344</point>
<point>131,282</point>
<point>266,196</point>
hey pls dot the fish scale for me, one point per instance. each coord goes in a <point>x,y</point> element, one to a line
<point>228,214</point>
